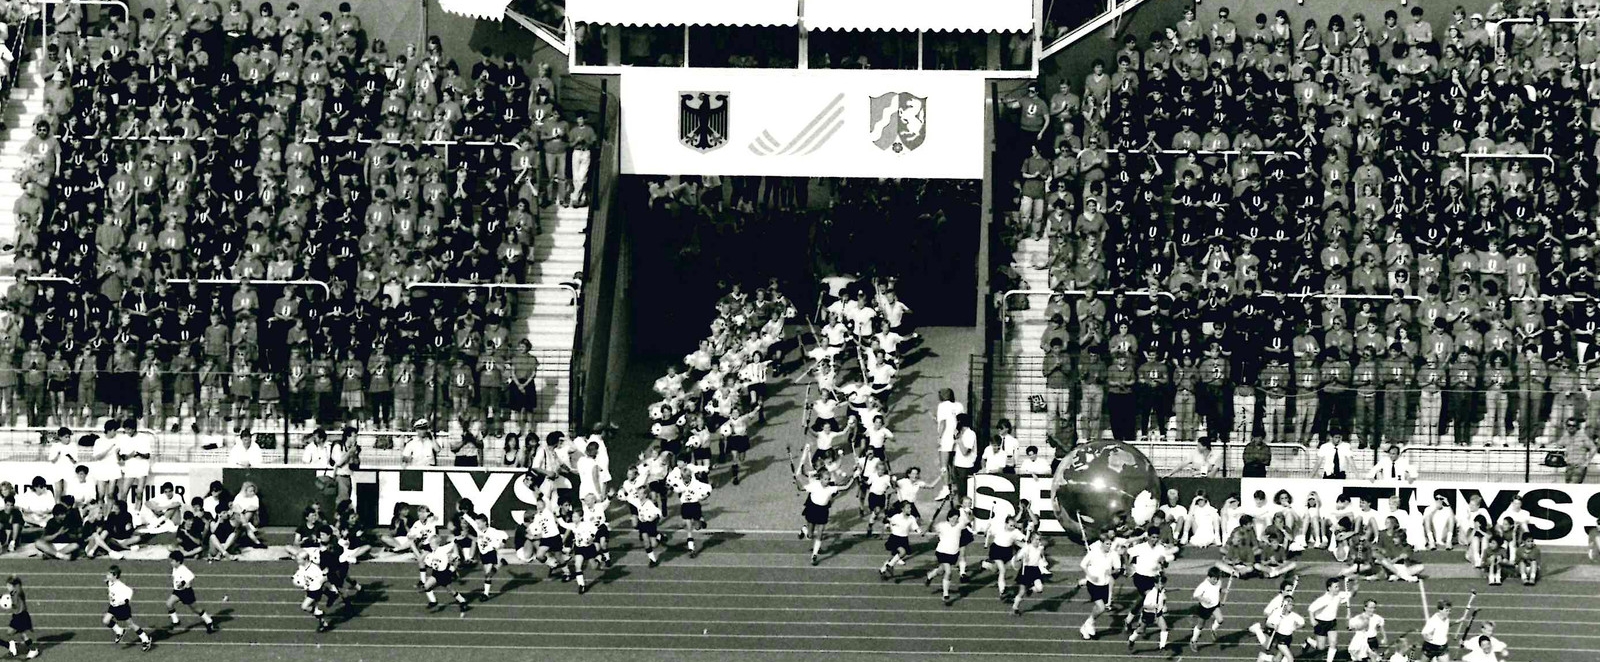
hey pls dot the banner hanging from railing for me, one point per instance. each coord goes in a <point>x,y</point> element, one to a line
<point>831,123</point>
<point>1556,514</point>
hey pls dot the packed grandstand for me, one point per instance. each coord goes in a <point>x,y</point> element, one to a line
<point>599,280</point>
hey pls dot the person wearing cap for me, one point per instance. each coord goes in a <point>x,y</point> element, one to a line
<point>422,449</point>
<point>1580,450</point>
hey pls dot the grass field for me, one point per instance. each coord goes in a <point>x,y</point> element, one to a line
<point>745,597</point>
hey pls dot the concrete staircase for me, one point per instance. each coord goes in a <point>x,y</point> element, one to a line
<point>548,318</point>
<point>24,107</point>
<point>1023,329</point>
<point>1026,327</point>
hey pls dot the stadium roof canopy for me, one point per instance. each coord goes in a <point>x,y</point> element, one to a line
<point>906,15</point>
<point>685,12</point>
<point>929,15</point>
<point>493,10</point>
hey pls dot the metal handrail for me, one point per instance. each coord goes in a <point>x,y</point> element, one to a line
<point>1204,152</point>
<point>1005,302</point>
<point>44,25</point>
<point>1500,39</point>
<point>249,281</point>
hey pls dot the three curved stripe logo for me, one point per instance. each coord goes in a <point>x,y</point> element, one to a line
<point>813,137</point>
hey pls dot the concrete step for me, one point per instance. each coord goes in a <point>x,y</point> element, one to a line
<point>553,271</point>
<point>549,239</point>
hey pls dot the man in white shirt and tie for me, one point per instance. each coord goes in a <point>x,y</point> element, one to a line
<point>1335,456</point>
<point>1392,467</point>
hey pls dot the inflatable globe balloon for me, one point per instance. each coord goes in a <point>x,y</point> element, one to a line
<point>1101,481</point>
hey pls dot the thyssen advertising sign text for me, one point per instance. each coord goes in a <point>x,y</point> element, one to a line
<point>1558,514</point>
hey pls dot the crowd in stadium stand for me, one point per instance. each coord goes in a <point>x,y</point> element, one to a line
<point>266,144</point>
<point>1459,292</point>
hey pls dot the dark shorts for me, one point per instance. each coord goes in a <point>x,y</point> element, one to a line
<point>897,543</point>
<point>877,501</point>
<point>944,558</point>
<point>586,552</point>
<point>738,443</point>
<point>700,453</point>
<point>443,577</point>
<point>967,537</point>
<point>815,514</point>
<point>691,511</point>
<point>659,487</point>
<point>1432,651</point>
<point>1203,613</point>
<point>1149,617</point>
<point>490,558</point>
<point>184,595</point>
<point>648,528</point>
<point>758,390</point>
<point>1280,639</point>
<point>1029,575</point>
<point>1143,583</point>
<point>1002,554</point>
<point>1099,593</point>
<point>122,612</point>
<point>550,542</point>
<point>21,622</point>
<point>1322,628</point>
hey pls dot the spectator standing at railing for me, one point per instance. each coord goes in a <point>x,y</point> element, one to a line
<point>1215,401</point>
<point>1580,449</point>
<point>1431,379</point>
<point>1257,457</point>
<point>1334,457</point>
<point>1275,383</point>
<point>1058,383</point>
<point>1120,404</point>
<point>422,449</point>
<point>1396,372</point>
<point>1366,399</point>
<point>1463,400</point>
<point>1152,396</point>
<point>244,453</point>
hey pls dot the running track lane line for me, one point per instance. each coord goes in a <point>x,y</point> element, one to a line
<point>1123,656</point>
<point>984,580</point>
<point>1011,623</point>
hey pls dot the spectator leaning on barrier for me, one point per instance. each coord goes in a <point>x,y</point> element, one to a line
<point>1334,456</point>
<point>421,450</point>
<point>1257,457</point>
<point>244,453</point>
<point>1580,447</point>
<point>1392,467</point>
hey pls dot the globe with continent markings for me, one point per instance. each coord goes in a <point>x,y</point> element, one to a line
<point>1100,480</point>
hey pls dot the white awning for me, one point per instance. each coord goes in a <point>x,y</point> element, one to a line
<point>685,12</point>
<point>930,15</point>
<point>493,10</point>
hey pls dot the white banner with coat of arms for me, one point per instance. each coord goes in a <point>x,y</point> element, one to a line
<point>831,123</point>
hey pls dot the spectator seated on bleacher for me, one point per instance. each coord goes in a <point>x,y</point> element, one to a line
<point>268,145</point>
<point>1397,212</point>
